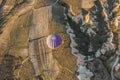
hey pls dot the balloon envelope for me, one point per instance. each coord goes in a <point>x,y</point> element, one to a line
<point>54,41</point>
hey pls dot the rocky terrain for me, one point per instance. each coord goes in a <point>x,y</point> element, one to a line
<point>90,39</point>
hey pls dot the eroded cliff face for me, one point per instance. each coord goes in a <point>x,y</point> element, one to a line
<point>89,31</point>
<point>95,40</point>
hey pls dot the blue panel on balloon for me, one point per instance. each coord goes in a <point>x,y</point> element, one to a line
<point>54,41</point>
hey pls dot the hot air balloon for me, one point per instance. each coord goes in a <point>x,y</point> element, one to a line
<point>54,41</point>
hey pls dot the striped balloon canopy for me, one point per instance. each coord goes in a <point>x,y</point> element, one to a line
<point>54,41</point>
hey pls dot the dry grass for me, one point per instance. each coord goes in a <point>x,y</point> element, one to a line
<point>63,54</point>
<point>19,35</point>
<point>19,44</point>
